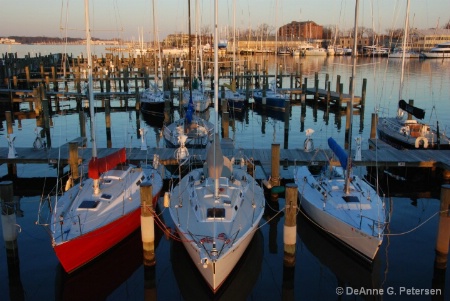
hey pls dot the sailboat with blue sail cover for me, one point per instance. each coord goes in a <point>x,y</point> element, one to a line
<point>340,202</point>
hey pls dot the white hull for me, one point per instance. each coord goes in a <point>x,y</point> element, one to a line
<point>316,52</point>
<point>201,100</point>
<point>437,55</point>
<point>408,55</point>
<point>439,51</point>
<point>352,237</point>
<point>215,273</point>
<point>358,223</point>
<point>216,231</point>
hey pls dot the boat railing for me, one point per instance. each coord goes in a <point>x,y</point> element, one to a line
<point>377,226</point>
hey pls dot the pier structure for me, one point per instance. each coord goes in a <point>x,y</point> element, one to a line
<point>61,77</point>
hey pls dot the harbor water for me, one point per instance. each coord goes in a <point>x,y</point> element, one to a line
<point>324,270</point>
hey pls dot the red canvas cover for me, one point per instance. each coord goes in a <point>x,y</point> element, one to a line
<point>100,165</point>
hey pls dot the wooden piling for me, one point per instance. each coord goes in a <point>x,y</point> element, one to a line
<point>290,224</point>
<point>147,224</point>
<point>363,93</point>
<point>108,122</point>
<point>275,170</point>
<point>12,168</point>
<point>347,125</point>
<point>46,115</point>
<point>8,216</point>
<point>73,160</point>
<point>287,107</point>
<point>225,124</point>
<point>443,236</point>
<point>373,126</point>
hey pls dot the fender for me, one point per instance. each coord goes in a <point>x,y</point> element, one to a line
<point>421,142</point>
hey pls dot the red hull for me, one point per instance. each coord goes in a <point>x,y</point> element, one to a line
<point>79,251</point>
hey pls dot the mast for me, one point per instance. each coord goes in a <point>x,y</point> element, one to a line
<point>233,81</point>
<point>91,90</point>
<point>405,36</point>
<point>156,44</point>
<point>276,46</point>
<point>216,71</point>
<point>190,50</point>
<point>90,84</point>
<point>352,96</point>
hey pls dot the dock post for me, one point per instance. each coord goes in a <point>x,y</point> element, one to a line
<point>108,81</point>
<point>287,109</point>
<point>443,235</point>
<point>275,170</point>
<point>305,87</point>
<point>27,76</point>
<point>55,82</point>
<point>290,224</point>
<point>316,87</point>
<point>8,216</point>
<point>10,233</point>
<point>328,100</point>
<point>125,80</point>
<point>81,117</point>
<point>180,98</point>
<point>73,161</point>
<point>327,79</point>
<point>338,84</point>
<point>247,88</point>
<point>225,124</point>
<point>347,125</point>
<point>147,224</point>
<point>46,113</point>
<point>373,126</point>
<point>108,122</point>
<point>339,103</point>
<point>363,93</point>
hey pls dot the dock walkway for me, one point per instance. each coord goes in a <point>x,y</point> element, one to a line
<point>381,156</point>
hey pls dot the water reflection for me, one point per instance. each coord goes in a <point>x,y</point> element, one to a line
<point>99,279</point>
<point>350,270</point>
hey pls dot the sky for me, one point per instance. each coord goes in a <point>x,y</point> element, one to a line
<point>133,19</point>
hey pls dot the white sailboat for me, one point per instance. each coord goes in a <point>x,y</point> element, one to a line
<point>152,98</point>
<point>196,96</point>
<point>216,209</point>
<point>405,133</point>
<point>102,209</point>
<point>236,100</point>
<point>191,130</point>
<point>341,203</point>
<point>272,98</point>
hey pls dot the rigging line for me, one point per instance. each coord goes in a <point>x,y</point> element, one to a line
<point>419,225</point>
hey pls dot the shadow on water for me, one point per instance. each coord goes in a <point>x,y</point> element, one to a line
<point>239,283</point>
<point>350,269</point>
<point>101,277</point>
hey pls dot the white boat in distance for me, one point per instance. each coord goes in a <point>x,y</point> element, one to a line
<point>441,50</point>
<point>409,54</point>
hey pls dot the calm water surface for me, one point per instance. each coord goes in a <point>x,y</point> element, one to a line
<point>405,260</point>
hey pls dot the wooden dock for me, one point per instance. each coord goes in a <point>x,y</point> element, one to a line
<point>381,156</point>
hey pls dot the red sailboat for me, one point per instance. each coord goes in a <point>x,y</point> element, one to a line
<point>103,208</point>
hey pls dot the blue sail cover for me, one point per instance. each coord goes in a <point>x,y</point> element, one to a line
<point>190,111</point>
<point>339,152</point>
